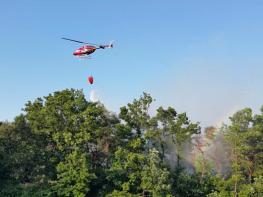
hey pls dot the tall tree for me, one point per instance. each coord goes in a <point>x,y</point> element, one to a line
<point>136,114</point>
<point>128,160</point>
<point>235,133</point>
<point>155,177</point>
<point>171,125</point>
<point>244,137</point>
<point>74,129</point>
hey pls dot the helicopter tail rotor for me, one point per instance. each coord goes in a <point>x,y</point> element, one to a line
<point>111,44</point>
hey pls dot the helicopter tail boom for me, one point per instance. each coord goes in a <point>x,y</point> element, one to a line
<point>110,45</point>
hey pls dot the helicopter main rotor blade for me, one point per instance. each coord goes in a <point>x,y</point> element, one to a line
<point>74,40</point>
<point>78,41</point>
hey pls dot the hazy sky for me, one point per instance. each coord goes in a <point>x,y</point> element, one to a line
<point>200,57</point>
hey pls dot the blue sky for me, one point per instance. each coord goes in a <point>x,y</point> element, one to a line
<point>201,57</point>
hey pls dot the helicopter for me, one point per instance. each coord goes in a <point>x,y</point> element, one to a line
<point>88,48</point>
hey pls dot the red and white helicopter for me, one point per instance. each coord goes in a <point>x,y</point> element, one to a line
<point>88,48</point>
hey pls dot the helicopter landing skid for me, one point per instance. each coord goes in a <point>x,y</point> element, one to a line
<point>85,57</point>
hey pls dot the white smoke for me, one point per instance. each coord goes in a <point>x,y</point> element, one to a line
<point>94,97</point>
<point>225,118</point>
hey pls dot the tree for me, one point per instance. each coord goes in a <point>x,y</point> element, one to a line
<point>73,176</point>
<point>185,184</point>
<point>253,149</point>
<point>244,137</point>
<point>128,160</point>
<point>74,129</point>
<point>235,136</point>
<point>136,114</point>
<point>168,124</point>
<point>63,145</point>
<point>23,164</point>
<point>155,178</point>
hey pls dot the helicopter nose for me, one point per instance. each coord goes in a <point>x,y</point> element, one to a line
<point>76,53</point>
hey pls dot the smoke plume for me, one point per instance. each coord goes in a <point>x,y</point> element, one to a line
<point>94,97</point>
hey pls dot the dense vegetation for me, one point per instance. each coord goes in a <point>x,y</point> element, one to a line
<point>63,145</point>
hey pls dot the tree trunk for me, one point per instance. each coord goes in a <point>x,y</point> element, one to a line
<point>178,160</point>
<point>235,191</point>
<point>162,147</point>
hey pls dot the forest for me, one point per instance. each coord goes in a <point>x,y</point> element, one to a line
<point>64,145</point>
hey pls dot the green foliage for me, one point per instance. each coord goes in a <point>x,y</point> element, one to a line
<point>247,190</point>
<point>155,178</point>
<point>64,145</point>
<point>169,125</point>
<point>136,114</point>
<point>116,193</point>
<point>244,136</point>
<point>125,172</point>
<point>73,176</point>
<point>10,189</point>
<point>192,185</point>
